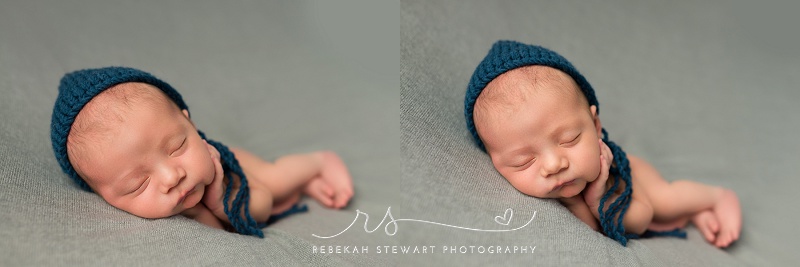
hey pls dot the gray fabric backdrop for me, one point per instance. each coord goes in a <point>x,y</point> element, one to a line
<point>271,77</point>
<point>704,90</point>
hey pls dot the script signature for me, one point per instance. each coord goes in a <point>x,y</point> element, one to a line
<point>504,220</point>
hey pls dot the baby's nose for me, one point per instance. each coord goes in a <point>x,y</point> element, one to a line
<point>172,178</point>
<point>553,165</point>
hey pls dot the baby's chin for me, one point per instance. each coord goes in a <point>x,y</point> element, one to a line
<point>565,192</point>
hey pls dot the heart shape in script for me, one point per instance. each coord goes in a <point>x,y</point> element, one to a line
<point>506,219</point>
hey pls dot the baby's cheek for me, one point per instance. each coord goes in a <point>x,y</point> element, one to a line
<point>209,165</point>
<point>594,168</point>
<point>200,162</point>
<point>588,163</point>
<point>524,182</point>
<point>150,204</point>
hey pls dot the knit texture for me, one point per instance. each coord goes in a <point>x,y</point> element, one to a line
<point>79,87</point>
<point>508,55</point>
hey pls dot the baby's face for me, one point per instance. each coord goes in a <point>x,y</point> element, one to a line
<point>154,166</point>
<point>544,139</point>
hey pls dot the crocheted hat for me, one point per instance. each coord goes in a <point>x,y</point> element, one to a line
<point>508,55</point>
<point>78,88</point>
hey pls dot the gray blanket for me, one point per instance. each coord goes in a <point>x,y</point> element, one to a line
<point>703,91</point>
<point>273,78</point>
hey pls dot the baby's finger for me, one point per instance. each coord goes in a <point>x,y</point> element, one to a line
<point>606,151</point>
<point>218,168</point>
<point>327,190</point>
<point>596,187</point>
<point>214,192</point>
<point>605,166</point>
<point>321,192</point>
<point>341,200</point>
<point>320,196</point>
<point>212,151</point>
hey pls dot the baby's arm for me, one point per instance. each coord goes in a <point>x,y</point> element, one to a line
<point>203,215</point>
<point>682,199</point>
<point>638,216</point>
<point>322,175</point>
<point>285,176</point>
<point>578,206</point>
<point>275,187</point>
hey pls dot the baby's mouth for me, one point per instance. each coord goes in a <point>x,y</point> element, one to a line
<point>562,184</point>
<point>185,194</point>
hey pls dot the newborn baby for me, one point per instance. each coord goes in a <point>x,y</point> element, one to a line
<point>128,136</point>
<point>537,118</point>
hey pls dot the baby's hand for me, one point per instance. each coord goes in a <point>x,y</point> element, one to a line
<point>334,187</point>
<point>213,195</point>
<point>597,188</point>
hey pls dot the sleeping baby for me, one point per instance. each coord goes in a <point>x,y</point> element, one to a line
<point>537,118</point>
<point>127,136</point>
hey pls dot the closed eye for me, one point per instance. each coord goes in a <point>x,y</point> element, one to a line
<point>573,141</point>
<point>523,163</point>
<point>142,185</point>
<point>183,143</point>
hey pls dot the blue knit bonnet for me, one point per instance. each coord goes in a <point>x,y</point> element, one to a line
<point>79,87</point>
<point>508,55</point>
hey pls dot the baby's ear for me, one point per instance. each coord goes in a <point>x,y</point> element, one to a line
<point>186,113</point>
<point>596,120</point>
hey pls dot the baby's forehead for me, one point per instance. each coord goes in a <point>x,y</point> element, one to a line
<point>520,84</point>
<point>118,100</point>
<point>114,105</point>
